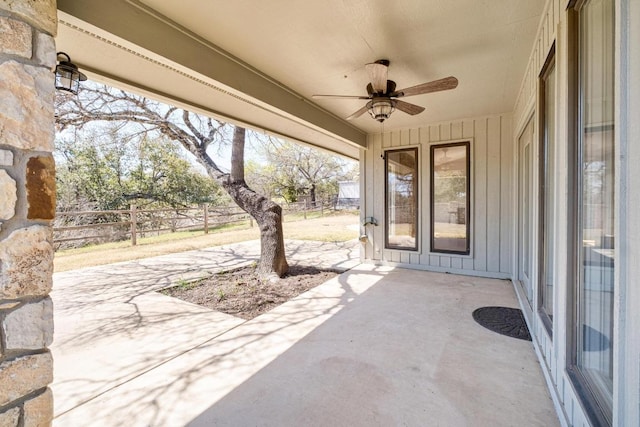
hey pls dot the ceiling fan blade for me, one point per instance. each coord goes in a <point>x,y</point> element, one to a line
<point>434,86</point>
<point>378,72</point>
<point>339,97</point>
<point>408,108</point>
<point>358,113</point>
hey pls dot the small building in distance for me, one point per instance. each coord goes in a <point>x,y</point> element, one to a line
<point>348,195</point>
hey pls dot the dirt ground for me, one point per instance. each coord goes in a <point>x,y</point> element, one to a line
<point>241,293</point>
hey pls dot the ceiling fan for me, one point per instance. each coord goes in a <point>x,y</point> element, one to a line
<point>383,96</point>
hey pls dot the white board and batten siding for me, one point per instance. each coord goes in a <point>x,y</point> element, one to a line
<point>492,201</point>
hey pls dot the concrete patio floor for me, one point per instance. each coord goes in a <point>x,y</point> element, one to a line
<point>374,346</point>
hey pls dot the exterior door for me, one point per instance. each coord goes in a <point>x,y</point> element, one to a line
<point>525,209</point>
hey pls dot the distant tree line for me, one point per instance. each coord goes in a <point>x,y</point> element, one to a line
<point>113,170</point>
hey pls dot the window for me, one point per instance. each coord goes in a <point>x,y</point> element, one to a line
<point>547,184</point>
<point>450,198</point>
<point>591,361</point>
<point>401,189</point>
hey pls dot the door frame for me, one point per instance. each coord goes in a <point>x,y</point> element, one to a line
<point>528,291</point>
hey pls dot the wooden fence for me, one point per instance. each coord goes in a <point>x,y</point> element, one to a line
<point>75,229</point>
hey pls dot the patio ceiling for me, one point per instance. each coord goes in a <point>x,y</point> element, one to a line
<point>259,62</point>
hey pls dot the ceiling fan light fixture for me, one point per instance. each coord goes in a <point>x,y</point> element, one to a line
<point>381,108</point>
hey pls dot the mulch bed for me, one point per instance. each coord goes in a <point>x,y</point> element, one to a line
<point>241,293</point>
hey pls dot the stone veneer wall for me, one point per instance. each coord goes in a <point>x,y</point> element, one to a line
<point>27,204</point>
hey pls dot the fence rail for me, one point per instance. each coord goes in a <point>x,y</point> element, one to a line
<point>79,228</point>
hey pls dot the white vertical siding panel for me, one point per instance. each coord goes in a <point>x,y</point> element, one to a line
<point>414,136</point>
<point>415,256</point>
<point>468,131</point>
<point>414,139</point>
<point>456,130</point>
<point>549,24</point>
<point>387,255</point>
<point>480,196</point>
<point>434,133</point>
<point>434,136</point>
<point>545,32</point>
<point>494,129</point>
<point>536,59</point>
<point>394,139</point>
<point>445,261</point>
<point>552,20</point>
<point>507,208</point>
<point>437,134</point>
<point>456,262</point>
<point>434,260</point>
<point>445,131</point>
<point>385,139</point>
<point>405,137</point>
<point>549,32</point>
<point>366,171</point>
<point>532,77</point>
<point>378,189</point>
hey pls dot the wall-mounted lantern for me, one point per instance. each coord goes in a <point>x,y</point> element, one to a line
<point>364,238</point>
<point>68,77</point>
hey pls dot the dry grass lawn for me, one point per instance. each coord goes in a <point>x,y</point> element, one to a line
<point>332,228</point>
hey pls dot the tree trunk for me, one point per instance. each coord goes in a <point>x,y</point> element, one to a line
<point>268,215</point>
<point>313,195</point>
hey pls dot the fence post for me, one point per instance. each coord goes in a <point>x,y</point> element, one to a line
<point>206,219</point>
<point>250,221</point>
<point>306,202</point>
<point>321,207</point>
<point>133,219</point>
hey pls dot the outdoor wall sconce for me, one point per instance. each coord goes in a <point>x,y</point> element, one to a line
<point>370,221</point>
<point>68,77</point>
<point>367,221</point>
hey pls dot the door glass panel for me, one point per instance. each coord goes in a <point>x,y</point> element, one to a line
<point>596,238</point>
<point>450,198</point>
<point>401,190</point>
<point>547,188</point>
<point>526,200</point>
<point>524,209</point>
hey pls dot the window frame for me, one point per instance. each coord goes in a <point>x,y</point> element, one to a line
<point>416,203</point>
<point>543,164</point>
<point>432,148</point>
<point>590,399</point>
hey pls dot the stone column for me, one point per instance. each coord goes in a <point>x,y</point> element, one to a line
<point>27,205</point>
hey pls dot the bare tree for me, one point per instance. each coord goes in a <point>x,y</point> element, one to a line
<point>295,170</point>
<point>198,135</point>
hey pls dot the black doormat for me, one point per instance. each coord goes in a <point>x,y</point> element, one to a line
<point>503,320</point>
